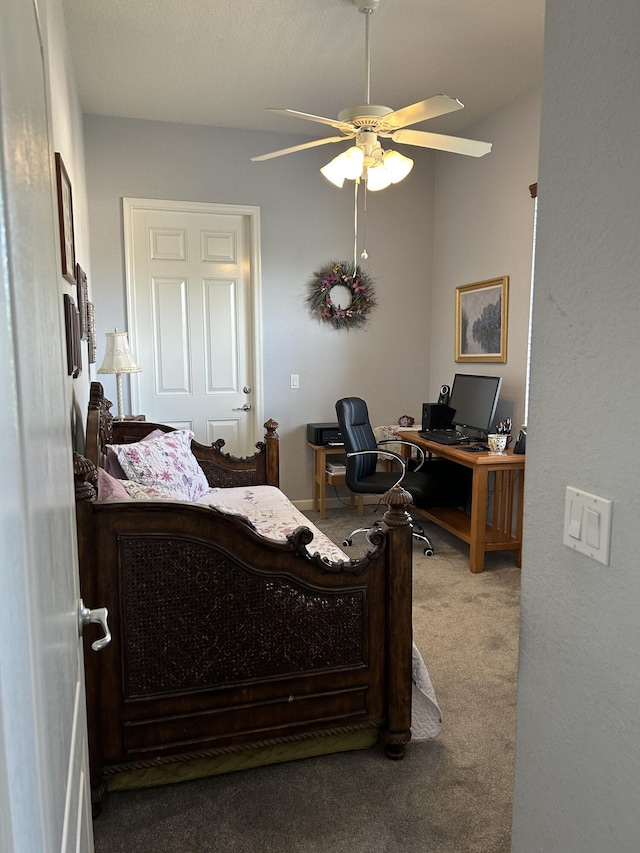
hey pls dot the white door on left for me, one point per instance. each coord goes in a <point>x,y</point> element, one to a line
<point>44,790</point>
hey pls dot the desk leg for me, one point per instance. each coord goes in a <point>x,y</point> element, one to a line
<point>478,518</point>
<point>519,516</point>
<point>322,468</point>
<point>316,481</point>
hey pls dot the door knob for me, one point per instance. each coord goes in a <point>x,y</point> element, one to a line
<point>246,389</point>
<point>98,616</point>
<point>245,408</point>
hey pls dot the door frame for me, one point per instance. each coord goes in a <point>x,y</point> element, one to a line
<point>251,214</point>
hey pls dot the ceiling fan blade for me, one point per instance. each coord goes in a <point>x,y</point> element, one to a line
<point>339,125</point>
<point>304,145</point>
<point>454,144</point>
<point>438,105</point>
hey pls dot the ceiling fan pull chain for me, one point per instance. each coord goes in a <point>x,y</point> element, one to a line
<point>355,226</point>
<point>364,254</point>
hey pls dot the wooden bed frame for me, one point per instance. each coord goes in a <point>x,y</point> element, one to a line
<point>226,645</point>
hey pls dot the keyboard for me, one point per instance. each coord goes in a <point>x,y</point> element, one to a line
<point>444,436</point>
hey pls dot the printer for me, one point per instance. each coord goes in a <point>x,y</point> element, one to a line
<point>328,433</point>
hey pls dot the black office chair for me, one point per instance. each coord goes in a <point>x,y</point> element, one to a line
<point>433,482</point>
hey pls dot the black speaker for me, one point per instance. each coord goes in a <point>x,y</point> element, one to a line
<point>436,416</point>
<point>521,443</point>
<point>444,394</point>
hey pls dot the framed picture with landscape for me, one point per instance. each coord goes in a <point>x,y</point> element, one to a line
<point>481,320</point>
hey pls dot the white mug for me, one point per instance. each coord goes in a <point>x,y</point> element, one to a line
<point>497,443</point>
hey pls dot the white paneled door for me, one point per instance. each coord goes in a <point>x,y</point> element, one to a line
<point>44,792</point>
<point>193,296</point>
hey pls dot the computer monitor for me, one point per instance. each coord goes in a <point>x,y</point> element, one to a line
<point>474,399</point>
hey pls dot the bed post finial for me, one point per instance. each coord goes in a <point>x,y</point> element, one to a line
<point>272,445</point>
<point>85,478</point>
<point>397,500</point>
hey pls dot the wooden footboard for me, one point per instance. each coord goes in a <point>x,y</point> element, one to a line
<point>224,641</point>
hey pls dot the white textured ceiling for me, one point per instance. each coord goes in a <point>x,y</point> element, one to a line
<point>221,62</point>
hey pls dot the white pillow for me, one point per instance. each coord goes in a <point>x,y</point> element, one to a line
<point>165,463</point>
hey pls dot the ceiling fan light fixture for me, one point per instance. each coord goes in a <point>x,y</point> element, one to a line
<point>397,165</point>
<point>378,178</point>
<point>353,162</point>
<point>348,165</point>
<point>365,122</point>
<point>334,173</point>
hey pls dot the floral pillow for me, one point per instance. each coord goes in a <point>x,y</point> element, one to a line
<point>113,467</point>
<point>165,464</point>
<point>138,492</point>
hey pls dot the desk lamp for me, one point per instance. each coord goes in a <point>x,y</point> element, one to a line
<point>118,359</point>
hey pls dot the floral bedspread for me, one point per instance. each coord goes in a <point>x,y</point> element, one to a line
<point>272,514</point>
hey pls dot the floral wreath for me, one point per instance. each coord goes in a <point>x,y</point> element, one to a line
<point>358,283</point>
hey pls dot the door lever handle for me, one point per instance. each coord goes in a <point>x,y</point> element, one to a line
<point>245,408</point>
<point>98,616</point>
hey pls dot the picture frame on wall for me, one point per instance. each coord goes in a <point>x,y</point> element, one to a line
<point>83,300</point>
<point>72,333</point>
<point>65,221</point>
<point>91,335</point>
<point>481,321</point>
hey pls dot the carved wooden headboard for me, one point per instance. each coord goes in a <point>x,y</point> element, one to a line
<point>221,469</point>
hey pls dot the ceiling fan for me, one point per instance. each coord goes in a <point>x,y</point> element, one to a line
<point>366,123</point>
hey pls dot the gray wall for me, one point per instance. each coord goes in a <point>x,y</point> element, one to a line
<point>67,136</point>
<point>577,786</point>
<point>484,230</point>
<point>452,221</point>
<point>305,222</point>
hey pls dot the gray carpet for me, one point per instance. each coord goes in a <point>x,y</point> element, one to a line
<point>449,795</point>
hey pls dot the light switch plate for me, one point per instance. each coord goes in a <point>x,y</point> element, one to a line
<point>587,524</point>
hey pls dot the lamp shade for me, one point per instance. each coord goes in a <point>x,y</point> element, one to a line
<point>377,178</point>
<point>352,161</point>
<point>118,357</point>
<point>349,165</point>
<point>118,360</point>
<point>380,168</point>
<point>333,172</point>
<point>397,165</point>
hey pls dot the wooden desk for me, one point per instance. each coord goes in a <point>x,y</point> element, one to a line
<point>322,477</point>
<point>504,531</point>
